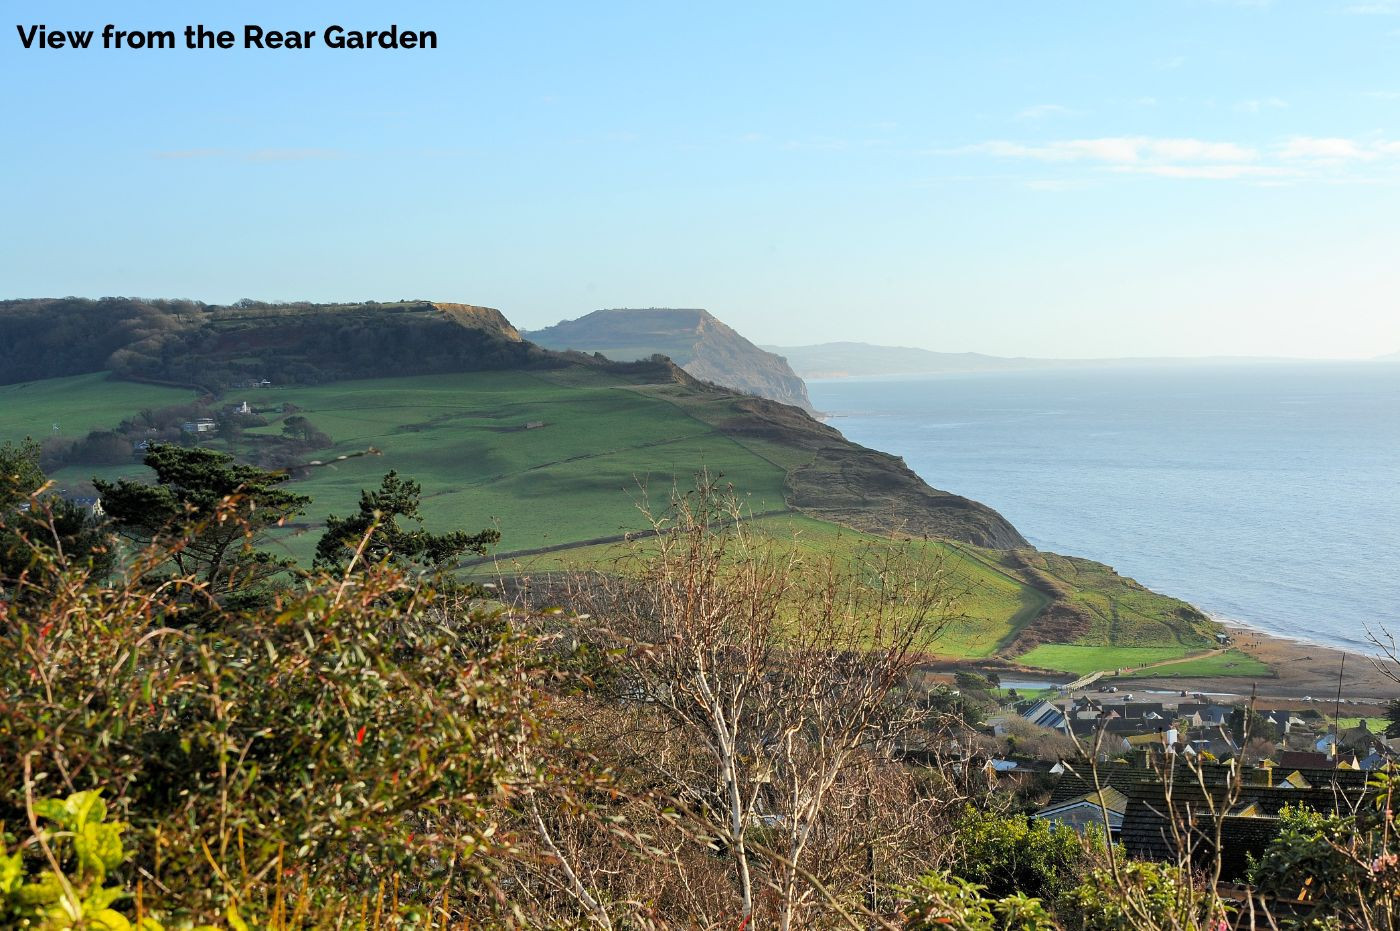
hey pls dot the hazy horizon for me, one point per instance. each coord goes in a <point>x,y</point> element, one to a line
<point>1168,178</point>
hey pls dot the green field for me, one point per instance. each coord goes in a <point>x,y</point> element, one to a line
<point>1086,658</point>
<point>602,451</point>
<point>1377,725</point>
<point>598,448</point>
<point>77,405</point>
<point>1229,663</point>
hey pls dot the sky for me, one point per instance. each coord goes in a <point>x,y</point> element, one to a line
<point>1125,178</point>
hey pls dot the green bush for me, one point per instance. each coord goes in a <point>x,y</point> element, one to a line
<point>1145,896</point>
<point>942,901</point>
<point>1308,854</point>
<point>357,732</point>
<point>1009,854</point>
<point>65,882</point>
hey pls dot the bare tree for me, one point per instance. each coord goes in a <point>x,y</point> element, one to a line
<point>784,668</point>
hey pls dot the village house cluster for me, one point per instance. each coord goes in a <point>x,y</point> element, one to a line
<point>1202,763</point>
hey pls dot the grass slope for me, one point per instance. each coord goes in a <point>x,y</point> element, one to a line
<point>463,436</point>
<point>991,606</point>
<point>606,443</point>
<point>78,404</point>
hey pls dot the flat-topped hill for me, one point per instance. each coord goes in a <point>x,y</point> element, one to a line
<point>216,347</point>
<point>557,449</point>
<point>694,339</point>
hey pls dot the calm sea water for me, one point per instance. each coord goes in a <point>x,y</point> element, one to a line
<point>1268,494</point>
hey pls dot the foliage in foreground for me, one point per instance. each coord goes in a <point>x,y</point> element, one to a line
<point>360,750</point>
<point>354,736</point>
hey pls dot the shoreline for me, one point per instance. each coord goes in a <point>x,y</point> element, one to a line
<point>1301,670</point>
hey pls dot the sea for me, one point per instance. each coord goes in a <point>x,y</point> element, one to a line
<point>1266,494</point>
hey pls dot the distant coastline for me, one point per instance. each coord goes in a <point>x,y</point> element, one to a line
<point>841,360</point>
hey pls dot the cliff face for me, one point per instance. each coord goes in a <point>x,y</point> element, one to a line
<point>860,487</point>
<point>484,318</point>
<point>694,339</point>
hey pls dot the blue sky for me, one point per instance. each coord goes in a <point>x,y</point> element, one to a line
<point>1138,177</point>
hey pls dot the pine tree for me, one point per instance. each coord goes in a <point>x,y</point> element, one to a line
<point>209,511</point>
<point>378,520</point>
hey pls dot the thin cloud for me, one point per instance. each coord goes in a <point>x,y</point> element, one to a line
<point>1210,172</point>
<point>1121,150</point>
<point>290,155</point>
<point>1328,149</point>
<point>1321,157</point>
<point>253,155</point>
<point>1055,185</point>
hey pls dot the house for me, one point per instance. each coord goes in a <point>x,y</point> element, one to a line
<point>1043,714</point>
<point>1198,806</point>
<point>1141,709</point>
<point>1160,738</point>
<point>92,505</point>
<point>202,425</point>
<point>241,407</point>
<point>1090,809</point>
<point>1215,715</point>
<point>1294,780</point>
<point>1361,738</point>
<point>1284,721</point>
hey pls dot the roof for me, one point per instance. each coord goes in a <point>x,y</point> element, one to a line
<point>1044,714</point>
<point>1152,739</point>
<point>1252,821</point>
<point>1295,759</point>
<point>1107,797</point>
<point>1140,709</point>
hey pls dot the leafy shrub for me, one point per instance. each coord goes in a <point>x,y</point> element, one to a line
<point>1308,854</point>
<point>1348,865</point>
<point>68,885</point>
<point>944,901</point>
<point>1145,896</point>
<point>356,732</point>
<point>1008,854</point>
